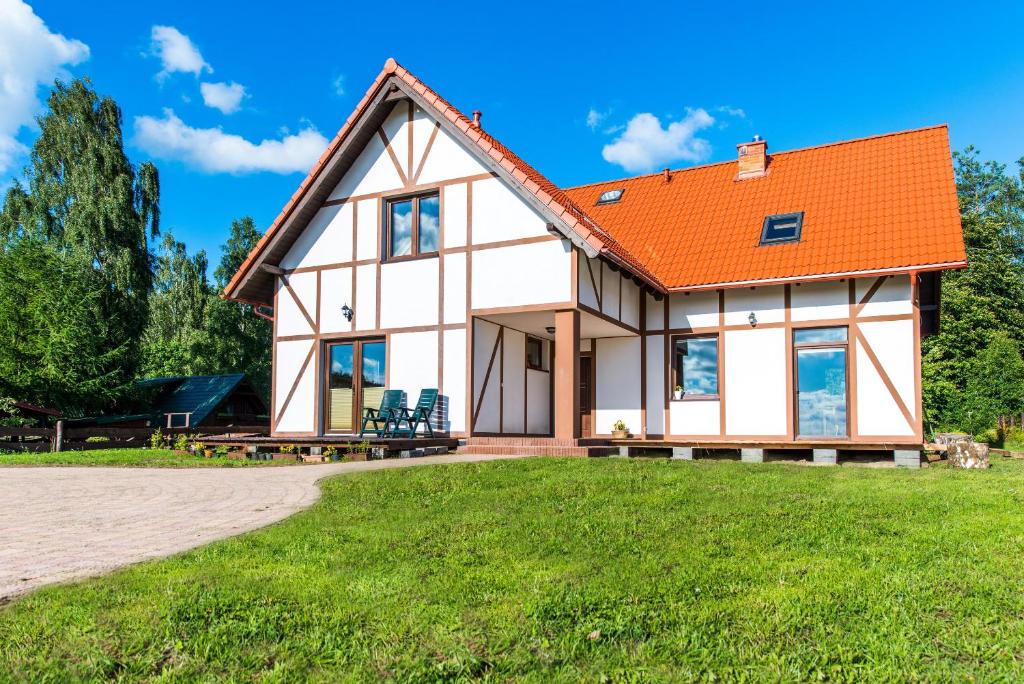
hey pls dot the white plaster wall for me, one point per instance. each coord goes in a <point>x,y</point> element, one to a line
<point>326,240</point>
<point>630,303</point>
<point>586,286</point>
<point>537,273</point>
<point>877,412</point>
<point>413,363</point>
<point>423,126</point>
<point>300,413</point>
<point>610,292</point>
<point>656,384</point>
<point>484,336</point>
<point>455,379</point>
<point>367,218</point>
<point>693,310</point>
<point>893,297</point>
<point>456,211</point>
<point>818,301</point>
<point>290,320</point>
<point>514,381</point>
<point>372,172</point>
<point>695,418</point>
<point>396,128</point>
<point>335,292</point>
<point>538,419</point>
<point>366,297</point>
<point>499,214</point>
<point>655,312</point>
<point>455,288</point>
<point>449,159</point>
<point>755,382</point>
<point>768,304</point>
<point>408,293</point>
<point>618,383</point>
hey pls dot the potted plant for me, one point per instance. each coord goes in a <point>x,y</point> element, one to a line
<point>289,452</point>
<point>331,453</point>
<point>619,430</point>
<point>677,393</point>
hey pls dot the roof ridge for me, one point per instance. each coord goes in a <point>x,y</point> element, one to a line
<point>770,154</point>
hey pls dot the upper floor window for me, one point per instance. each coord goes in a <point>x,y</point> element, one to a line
<point>413,225</point>
<point>534,353</point>
<point>782,228</point>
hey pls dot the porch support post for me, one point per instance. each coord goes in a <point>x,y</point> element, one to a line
<point>567,374</point>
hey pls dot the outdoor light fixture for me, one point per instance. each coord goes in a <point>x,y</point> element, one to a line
<point>753,320</point>
<point>347,312</point>
<point>550,330</point>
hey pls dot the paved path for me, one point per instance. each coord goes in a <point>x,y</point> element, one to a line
<point>59,523</point>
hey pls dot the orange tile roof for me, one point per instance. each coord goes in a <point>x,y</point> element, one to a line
<point>871,205</point>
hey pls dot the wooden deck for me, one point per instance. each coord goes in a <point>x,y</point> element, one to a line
<point>386,445</point>
<point>799,445</point>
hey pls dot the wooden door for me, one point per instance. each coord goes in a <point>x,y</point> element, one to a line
<point>586,395</point>
<point>355,379</point>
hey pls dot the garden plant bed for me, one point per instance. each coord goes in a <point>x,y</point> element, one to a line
<point>148,458</point>
<point>572,569</point>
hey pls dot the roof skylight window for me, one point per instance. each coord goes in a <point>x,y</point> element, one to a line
<point>782,228</point>
<point>610,196</point>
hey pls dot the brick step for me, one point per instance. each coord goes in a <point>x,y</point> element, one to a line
<point>514,450</point>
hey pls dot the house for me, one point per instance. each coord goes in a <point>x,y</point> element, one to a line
<point>192,401</point>
<point>776,298</point>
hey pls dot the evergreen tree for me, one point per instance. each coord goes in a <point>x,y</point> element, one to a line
<point>84,202</point>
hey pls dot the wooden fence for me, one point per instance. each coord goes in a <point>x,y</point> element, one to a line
<point>62,438</point>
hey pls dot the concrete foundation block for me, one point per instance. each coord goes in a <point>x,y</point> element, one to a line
<point>907,458</point>
<point>682,453</point>
<point>622,453</point>
<point>752,455</point>
<point>315,451</point>
<point>826,456</point>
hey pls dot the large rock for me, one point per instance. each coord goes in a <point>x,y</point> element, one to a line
<point>968,455</point>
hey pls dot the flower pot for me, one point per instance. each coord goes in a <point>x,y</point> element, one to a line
<point>620,434</point>
<point>284,457</point>
<point>677,395</point>
<point>208,453</point>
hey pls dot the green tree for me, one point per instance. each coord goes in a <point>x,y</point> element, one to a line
<point>994,388</point>
<point>177,312</point>
<point>236,340</point>
<point>84,202</point>
<point>983,300</point>
<point>57,347</point>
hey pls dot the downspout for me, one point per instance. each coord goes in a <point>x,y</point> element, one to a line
<point>256,309</point>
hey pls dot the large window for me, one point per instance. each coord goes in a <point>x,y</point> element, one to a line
<point>355,380</point>
<point>821,381</point>
<point>413,225</point>
<point>696,367</point>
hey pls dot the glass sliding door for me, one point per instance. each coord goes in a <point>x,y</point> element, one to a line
<point>355,379</point>
<point>341,388</point>
<point>821,382</point>
<point>371,375</point>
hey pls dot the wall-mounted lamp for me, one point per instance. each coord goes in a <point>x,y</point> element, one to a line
<point>347,312</point>
<point>550,330</point>
<point>753,320</point>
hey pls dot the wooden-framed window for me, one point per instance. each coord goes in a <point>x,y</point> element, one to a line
<point>821,382</point>
<point>696,372</point>
<point>412,226</point>
<point>535,353</point>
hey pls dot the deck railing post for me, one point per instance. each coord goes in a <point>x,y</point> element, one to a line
<point>58,436</point>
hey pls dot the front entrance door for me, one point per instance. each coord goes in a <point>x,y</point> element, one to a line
<point>586,394</point>
<point>821,382</point>
<point>355,378</point>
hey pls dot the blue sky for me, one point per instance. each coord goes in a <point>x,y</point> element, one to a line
<point>584,92</point>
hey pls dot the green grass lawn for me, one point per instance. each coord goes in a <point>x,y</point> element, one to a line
<point>572,569</point>
<point>150,458</point>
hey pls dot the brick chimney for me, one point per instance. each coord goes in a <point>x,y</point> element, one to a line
<point>476,118</point>
<point>753,158</point>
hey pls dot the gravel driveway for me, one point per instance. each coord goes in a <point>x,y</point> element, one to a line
<point>59,523</point>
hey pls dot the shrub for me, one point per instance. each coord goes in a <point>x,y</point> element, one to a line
<point>221,450</point>
<point>97,439</point>
<point>157,441</point>
<point>289,449</point>
<point>181,443</point>
<point>329,451</point>
<point>362,447</point>
<point>994,387</point>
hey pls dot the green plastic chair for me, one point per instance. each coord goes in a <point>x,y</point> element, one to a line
<point>416,416</point>
<point>381,418</point>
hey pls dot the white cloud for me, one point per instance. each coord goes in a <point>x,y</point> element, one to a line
<point>594,118</point>
<point>732,111</point>
<point>214,151</point>
<point>645,144</point>
<point>339,85</point>
<point>176,52</point>
<point>30,56</point>
<point>227,97</point>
